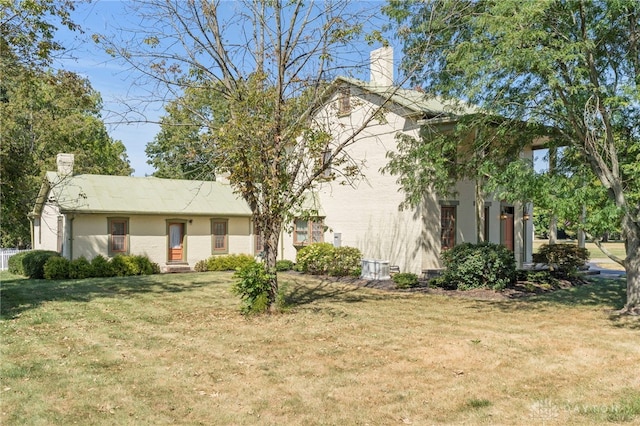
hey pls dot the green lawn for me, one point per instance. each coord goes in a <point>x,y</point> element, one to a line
<point>173,349</point>
<point>615,247</point>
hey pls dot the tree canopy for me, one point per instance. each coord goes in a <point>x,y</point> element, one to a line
<point>572,67</point>
<point>246,78</point>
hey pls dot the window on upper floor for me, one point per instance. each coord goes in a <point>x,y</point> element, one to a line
<point>344,101</point>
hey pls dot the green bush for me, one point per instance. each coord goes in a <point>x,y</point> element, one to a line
<point>484,265</point>
<point>15,263</point>
<point>284,265</point>
<point>253,287</point>
<point>146,266</point>
<point>346,262</point>
<point>123,266</point>
<point>563,258</point>
<point>80,268</point>
<point>56,268</point>
<point>405,280</point>
<point>229,262</point>
<point>101,267</point>
<point>34,260</point>
<point>315,258</point>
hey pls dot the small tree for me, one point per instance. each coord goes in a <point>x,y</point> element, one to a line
<point>271,64</point>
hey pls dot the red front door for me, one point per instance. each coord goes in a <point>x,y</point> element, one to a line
<point>176,241</point>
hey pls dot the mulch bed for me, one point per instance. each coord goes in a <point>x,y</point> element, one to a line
<point>518,290</point>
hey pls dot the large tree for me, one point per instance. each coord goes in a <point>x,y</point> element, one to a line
<point>270,63</point>
<point>43,112</point>
<point>572,66</point>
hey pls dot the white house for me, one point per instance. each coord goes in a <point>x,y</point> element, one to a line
<point>365,215</point>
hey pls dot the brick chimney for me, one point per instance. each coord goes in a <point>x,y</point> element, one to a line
<point>65,164</point>
<point>381,66</point>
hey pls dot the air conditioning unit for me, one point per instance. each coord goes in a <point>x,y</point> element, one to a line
<point>373,269</point>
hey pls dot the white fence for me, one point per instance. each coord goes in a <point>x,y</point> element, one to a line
<point>5,254</point>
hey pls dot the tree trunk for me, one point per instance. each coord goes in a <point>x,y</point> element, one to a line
<point>271,235</point>
<point>631,231</point>
<point>553,229</point>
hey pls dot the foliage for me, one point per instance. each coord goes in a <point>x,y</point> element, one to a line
<point>568,66</point>
<point>315,259</point>
<point>483,265</point>
<point>346,262</point>
<point>124,265</point>
<point>253,285</point>
<point>101,267</point>
<point>564,258</point>
<point>16,263</point>
<point>56,268</point>
<point>247,94</point>
<point>405,280</point>
<point>43,114</point>
<point>34,260</point>
<point>284,265</point>
<point>80,268</point>
<point>201,266</point>
<point>229,262</point>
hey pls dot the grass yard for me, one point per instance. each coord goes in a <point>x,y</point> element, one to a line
<point>173,349</point>
<point>615,247</point>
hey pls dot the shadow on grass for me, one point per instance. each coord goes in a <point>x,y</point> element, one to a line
<point>20,294</point>
<point>606,293</point>
<point>304,290</point>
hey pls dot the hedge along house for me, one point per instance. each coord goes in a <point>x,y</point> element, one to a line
<point>365,214</point>
<point>175,223</point>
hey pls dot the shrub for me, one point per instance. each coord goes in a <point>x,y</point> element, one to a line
<point>146,266</point>
<point>315,258</point>
<point>484,265</point>
<point>80,268</point>
<point>229,262</point>
<point>284,265</point>
<point>201,266</point>
<point>123,266</point>
<point>405,280</point>
<point>101,267</point>
<point>253,287</point>
<point>56,268</point>
<point>563,258</point>
<point>34,260</point>
<point>346,262</point>
<point>15,263</point>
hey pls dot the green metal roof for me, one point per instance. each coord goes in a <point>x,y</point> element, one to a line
<point>143,195</point>
<point>414,100</point>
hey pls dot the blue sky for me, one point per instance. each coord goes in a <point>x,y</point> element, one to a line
<point>110,78</point>
<point>113,80</point>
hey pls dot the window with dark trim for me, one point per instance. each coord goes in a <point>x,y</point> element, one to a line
<point>118,236</point>
<point>219,231</point>
<point>308,231</point>
<point>344,101</point>
<point>447,227</point>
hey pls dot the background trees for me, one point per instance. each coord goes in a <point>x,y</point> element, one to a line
<point>573,67</point>
<point>42,113</point>
<point>269,64</point>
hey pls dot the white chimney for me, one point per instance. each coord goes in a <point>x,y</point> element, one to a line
<point>65,164</point>
<point>382,66</point>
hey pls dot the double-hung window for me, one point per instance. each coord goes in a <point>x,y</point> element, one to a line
<point>118,236</point>
<point>308,231</point>
<point>220,233</point>
<point>447,227</point>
